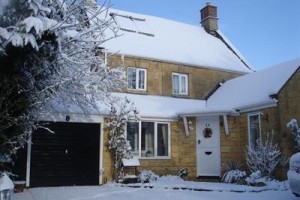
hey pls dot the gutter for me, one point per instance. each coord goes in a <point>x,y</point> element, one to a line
<point>257,106</point>
<point>240,72</point>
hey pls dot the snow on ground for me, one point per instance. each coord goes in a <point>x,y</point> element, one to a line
<point>167,188</point>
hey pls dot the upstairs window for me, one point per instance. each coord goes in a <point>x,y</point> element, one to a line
<point>254,128</point>
<point>136,78</point>
<point>180,84</point>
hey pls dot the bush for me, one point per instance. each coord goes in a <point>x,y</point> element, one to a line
<point>148,176</point>
<point>263,157</point>
<point>295,130</point>
<point>232,172</point>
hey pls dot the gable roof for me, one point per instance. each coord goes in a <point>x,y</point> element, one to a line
<point>255,89</point>
<point>160,39</point>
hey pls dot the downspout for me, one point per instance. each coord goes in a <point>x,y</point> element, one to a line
<point>29,143</point>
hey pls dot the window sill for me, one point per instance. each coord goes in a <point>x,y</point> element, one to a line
<point>155,158</point>
<point>181,96</point>
<point>132,91</point>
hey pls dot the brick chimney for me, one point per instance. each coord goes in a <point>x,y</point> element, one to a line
<point>209,18</point>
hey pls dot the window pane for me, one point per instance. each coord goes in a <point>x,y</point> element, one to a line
<point>147,139</point>
<point>162,140</point>
<point>133,136</point>
<point>175,84</point>
<point>131,77</point>
<point>141,79</point>
<point>183,85</point>
<point>254,129</point>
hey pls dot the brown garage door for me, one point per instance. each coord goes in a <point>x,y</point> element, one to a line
<point>68,157</point>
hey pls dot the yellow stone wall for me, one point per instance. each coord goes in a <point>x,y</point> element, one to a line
<point>289,108</point>
<point>159,77</point>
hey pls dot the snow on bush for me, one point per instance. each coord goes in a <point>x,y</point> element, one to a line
<point>51,60</point>
<point>148,176</point>
<point>264,156</point>
<point>232,172</point>
<point>255,177</point>
<point>295,130</point>
<point>233,176</point>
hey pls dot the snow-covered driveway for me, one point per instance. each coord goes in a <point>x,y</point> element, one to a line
<point>169,188</point>
<point>110,192</point>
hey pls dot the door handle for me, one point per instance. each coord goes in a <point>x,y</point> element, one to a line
<point>199,141</point>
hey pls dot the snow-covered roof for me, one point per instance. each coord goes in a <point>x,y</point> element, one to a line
<point>160,39</point>
<point>150,106</point>
<point>131,162</point>
<point>255,89</point>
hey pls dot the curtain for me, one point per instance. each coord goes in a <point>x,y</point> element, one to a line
<point>162,140</point>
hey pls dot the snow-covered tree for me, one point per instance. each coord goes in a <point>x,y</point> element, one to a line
<point>264,156</point>
<point>51,54</point>
<point>122,111</point>
<point>295,130</point>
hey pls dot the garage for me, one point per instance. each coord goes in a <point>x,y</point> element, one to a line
<point>68,157</point>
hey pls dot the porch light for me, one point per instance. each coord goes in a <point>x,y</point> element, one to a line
<point>190,125</point>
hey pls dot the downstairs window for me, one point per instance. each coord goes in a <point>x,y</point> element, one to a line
<point>149,139</point>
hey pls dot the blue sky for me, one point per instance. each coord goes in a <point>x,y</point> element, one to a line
<point>266,32</point>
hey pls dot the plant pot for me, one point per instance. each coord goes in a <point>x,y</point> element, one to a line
<point>19,186</point>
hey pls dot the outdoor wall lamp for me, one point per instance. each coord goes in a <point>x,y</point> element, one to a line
<point>190,125</point>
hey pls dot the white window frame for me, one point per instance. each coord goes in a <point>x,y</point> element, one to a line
<point>155,140</point>
<point>180,86</point>
<point>249,127</point>
<point>137,78</point>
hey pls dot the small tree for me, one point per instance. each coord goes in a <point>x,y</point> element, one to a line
<point>49,58</point>
<point>121,112</point>
<point>264,156</point>
<point>295,130</point>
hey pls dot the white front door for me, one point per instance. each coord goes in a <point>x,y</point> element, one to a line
<point>208,146</point>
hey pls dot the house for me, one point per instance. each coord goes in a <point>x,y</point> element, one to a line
<point>175,75</point>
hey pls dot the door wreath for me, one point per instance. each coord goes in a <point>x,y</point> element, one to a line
<point>207,132</point>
